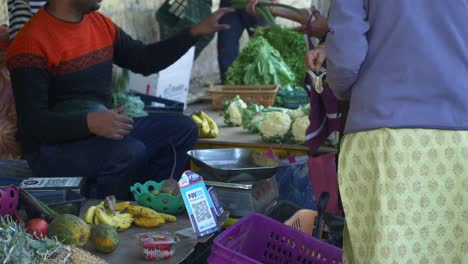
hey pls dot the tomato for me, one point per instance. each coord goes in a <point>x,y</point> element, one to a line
<point>37,226</point>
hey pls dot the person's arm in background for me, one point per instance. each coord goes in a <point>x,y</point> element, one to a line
<point>300,18</point>
<point>318,27</point>
<point>347,45</point>
<point>289,14</point>
<point>19,12</point>
<point>147,59</point>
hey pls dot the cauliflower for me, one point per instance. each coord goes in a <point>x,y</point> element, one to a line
<point>255,123</point>
<point>249,113</point>
<point>233,111</point>
<point>300,111</point>
<point>251,116</point>
<point>298,130</point>
<point>235,115</point>
<point>275,127</point>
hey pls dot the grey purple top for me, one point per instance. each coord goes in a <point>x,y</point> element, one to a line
<point>403,64</point>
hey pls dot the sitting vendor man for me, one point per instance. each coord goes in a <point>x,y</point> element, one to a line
<point>64,55</point>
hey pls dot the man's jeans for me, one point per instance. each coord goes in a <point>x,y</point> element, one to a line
<point>228,40</point>
<point>112,166</point>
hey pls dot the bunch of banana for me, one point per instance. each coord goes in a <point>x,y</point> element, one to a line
<point>206,126</point>
<point>147,217</point>
<point>112,213</point>
<point>109,212</point>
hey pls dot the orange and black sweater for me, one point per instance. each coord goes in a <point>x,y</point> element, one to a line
<point>52,61</point>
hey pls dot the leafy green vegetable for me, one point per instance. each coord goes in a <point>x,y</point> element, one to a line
<point>119,88</point>
<point>133,105</point>
<point>17,246</point>
<point>259,63</point>
<point>291,44</point>
<point>292,47</point>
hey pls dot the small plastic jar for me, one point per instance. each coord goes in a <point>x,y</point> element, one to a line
<point>157,245</point>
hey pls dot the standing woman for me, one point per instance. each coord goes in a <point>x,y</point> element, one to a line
<point>20,11</point>
<point>403,165</point>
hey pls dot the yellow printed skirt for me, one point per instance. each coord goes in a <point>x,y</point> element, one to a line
<point>405,196</point>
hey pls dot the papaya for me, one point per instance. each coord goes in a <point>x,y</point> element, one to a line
<point>104,238</point>
<point>70,230</point>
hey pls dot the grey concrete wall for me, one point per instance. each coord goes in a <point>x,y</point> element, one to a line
<point>3,12</point>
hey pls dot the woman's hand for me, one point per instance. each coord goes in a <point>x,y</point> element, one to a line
<point>315,58</point>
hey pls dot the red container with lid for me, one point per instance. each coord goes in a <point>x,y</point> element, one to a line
<point>157,245</point>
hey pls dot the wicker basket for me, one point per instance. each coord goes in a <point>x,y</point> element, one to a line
<point>250,94</point>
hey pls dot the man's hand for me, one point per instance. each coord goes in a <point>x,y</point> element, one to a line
<point>111,124</point>
<point>315,58</point>
<point>210,24</point>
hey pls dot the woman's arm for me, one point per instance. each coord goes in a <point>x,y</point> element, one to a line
<point>346,45</point>
<point>318,26</point>
<point>289,14</point>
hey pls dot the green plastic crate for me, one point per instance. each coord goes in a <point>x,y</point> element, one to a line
<point>292,99</point>
<point>295,99</point>
<point>176,15</point>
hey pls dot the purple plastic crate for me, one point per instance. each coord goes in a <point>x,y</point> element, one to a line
<point>9,197</point>
<point>259,239</point>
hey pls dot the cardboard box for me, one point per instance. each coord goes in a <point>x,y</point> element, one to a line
<point>171,83</point>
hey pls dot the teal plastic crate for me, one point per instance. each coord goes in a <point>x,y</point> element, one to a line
<point>176,15</point>
<point>292,99</point>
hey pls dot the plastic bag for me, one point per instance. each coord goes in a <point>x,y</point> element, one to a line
<point>324,178</point>
<point>294,184</point>
<point>335,229</point>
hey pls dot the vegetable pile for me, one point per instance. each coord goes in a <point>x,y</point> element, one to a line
<point>273,56</point>
<point>292,46</point>
<point>259,63</point>
<point>273,124</point>
<point>274,127</point>
<point>18,246</point>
